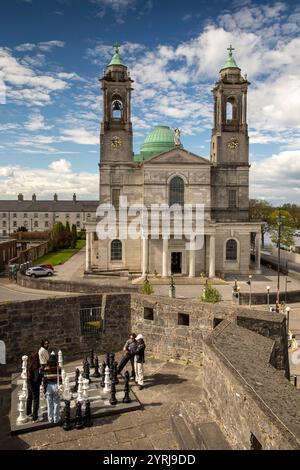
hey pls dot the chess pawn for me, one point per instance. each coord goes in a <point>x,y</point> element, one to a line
<point>106,381</point>
<point>22,418</point>
<point>77,372</point>
<point>78,417</point>
<point>79,391</point>
<point>113,400</point>
<point>96,372</point>
<point>92,363</point>
<point>60,358</point>
<point>126,398</point>
<point>116,380</point>
<point>87,415</point>
<point>67,416</point>
<point>85,388</point>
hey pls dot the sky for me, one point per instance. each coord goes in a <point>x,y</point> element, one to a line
<point>53,52</point>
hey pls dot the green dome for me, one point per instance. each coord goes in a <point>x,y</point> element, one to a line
<point>160,140</point>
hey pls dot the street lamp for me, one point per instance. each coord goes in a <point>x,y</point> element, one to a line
<point>287,312</point>
<point>268,296</point>
<point>279,221</point>
<point>249,284</point>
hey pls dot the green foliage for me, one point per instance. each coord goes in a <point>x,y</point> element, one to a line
<point>146,288</point>
<point>61,236</point>
<point>260,211</point>
<point>287,230</point>
<point>211,294</point>
<point>74,236</point>
<point>60,256</point>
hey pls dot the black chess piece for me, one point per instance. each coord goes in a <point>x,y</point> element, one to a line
<point>96,372</point>
<point>112,358</point>
<point>126,398</point>
<point>77,373</point>
<point>87,415</point>
<point>113,400</point>
<point>78,417</point>
<point>102,384</point>
<point>116,380</point>
<point>86,370</point>
<point>92,363</point>
<point>107,359</point>
<point>67,416</point>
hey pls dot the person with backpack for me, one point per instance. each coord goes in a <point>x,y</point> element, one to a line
<point>34,379</point>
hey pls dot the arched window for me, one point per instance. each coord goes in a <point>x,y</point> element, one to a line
<point>231,112</point>
<point>116,250</point>
<point>117,107</point>
<point>231,250</point>
<point>176,194</point>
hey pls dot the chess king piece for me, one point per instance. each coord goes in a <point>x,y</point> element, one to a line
<point>92,363</point>
<point>113,400</point>
<point>96,373</point>
<point>126,398</point>
<point>77,372</point>
<point>116,380</point>
<point>106,381</point>
<point>22,418</point>
<point>67,416</point>
<point>78,417</point>
<point>87,415</point>
<point>60,358</point>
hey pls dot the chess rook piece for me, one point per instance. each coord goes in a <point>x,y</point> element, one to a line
<point>92,363</point>
<point>106,381</point>
<point>67,416</point>
<point>78,417</point>
<point>77,373</point>
<point>96,371</point>
<point>113,400</point>
<point>126,398</point>
<point>87,415</point>
<point>116,380</point>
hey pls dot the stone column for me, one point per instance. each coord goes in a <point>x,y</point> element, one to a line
<point>165,258</point>
<point>257,250</point>
<point>87,252</point>
<point>91,248</point>
<point>212,256</point>
<point>192,263</point>
<point>144,256</point>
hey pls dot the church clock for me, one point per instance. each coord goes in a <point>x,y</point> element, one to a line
<point>116,142</point>
<point>233,144</point>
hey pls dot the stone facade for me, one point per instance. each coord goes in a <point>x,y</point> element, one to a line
<point>220,183</point>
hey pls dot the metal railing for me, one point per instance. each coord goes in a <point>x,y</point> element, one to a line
<point>91,321</point>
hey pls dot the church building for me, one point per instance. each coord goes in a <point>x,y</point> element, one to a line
<point>166,173</point>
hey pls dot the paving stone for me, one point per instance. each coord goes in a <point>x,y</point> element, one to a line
<point>142,444</point>
<point>129,434</point>
<point>163,441</point>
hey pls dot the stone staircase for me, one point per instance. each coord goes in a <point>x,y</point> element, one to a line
<point>193,428</point>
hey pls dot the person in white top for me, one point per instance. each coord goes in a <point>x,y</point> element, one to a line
<point>43,352</point>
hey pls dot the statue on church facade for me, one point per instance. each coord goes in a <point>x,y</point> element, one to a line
<point>177,137</point>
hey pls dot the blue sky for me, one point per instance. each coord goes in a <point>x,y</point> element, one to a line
<point>52,53</point>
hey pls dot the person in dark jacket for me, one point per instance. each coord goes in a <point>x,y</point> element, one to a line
<point>139,359</point>
<point>34,379</point>
<point>129,351</point>
<point>52,380</point>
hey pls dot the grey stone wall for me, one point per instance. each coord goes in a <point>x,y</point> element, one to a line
<point>24,324</point>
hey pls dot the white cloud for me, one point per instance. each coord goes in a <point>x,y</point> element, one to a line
<point>36,122</point>
<point>42,46</point>
<point>46,181</point>
<point>79,136</point>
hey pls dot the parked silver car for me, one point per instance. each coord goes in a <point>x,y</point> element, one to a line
<point>39,272</point>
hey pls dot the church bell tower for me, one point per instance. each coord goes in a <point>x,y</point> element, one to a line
<point>116,127</point>
<point>229,142</point>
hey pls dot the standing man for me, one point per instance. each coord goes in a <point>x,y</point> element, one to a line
<point>129,351</point>
<point>139,359</point>
<point>43,352</point>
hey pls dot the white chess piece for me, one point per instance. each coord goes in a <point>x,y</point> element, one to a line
<point>85,388</point>
<point>79,390</point>
<point>60,358</point>
<point>107,387</point>
<point>24,375</point>
<point>22,418</point>
<point>63,376</point>
<point>67,391</point>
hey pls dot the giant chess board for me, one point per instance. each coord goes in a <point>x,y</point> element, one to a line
<point>99,401</point>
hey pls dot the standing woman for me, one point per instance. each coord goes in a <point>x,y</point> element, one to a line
<point>139,359</point>
<point>34,379</point>
<point>52,380</point>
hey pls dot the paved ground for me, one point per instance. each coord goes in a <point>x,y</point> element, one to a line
<point>11,292</point>
<point>147,429</point>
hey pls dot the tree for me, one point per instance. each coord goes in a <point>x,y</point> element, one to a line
<point>294,210</point>
<point>68,235</point>
<point>260,210</point>
<point>210,294</point>
<point>146,288</point>
<point>74,236</point>
<point>288,228</point>
<point>60,236</point>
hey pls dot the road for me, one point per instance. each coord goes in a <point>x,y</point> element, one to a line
<point>11,292</point>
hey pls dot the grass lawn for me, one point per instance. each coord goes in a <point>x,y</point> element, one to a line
<point>60,256</point>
